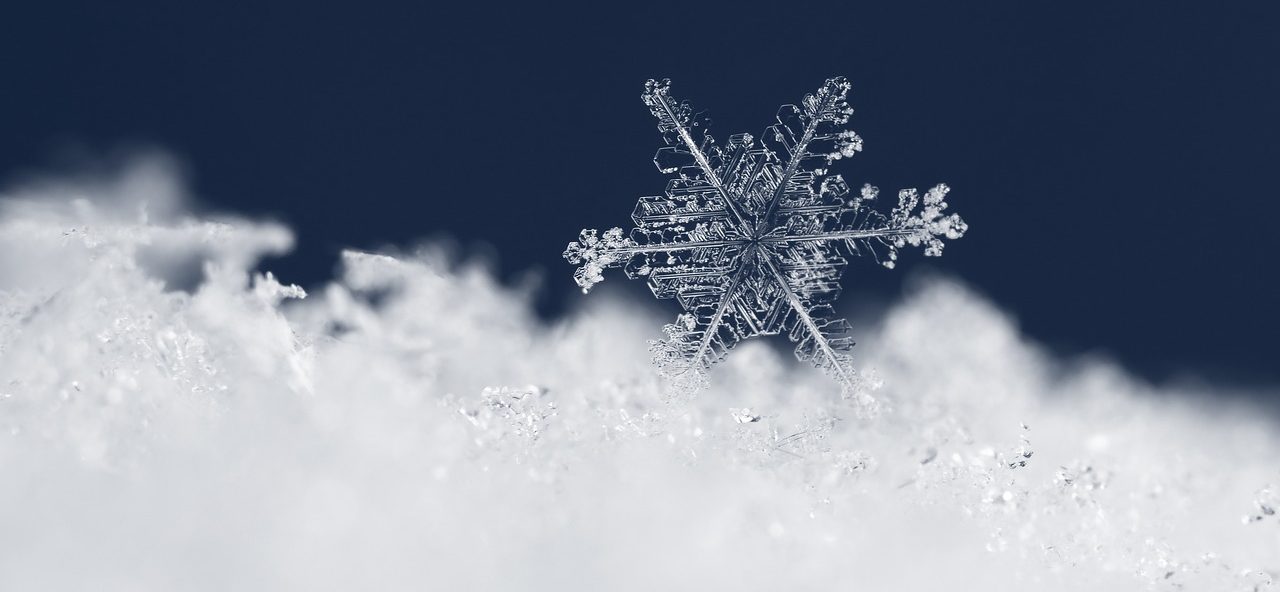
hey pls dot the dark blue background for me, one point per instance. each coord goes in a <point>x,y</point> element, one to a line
<point>1116,163</point>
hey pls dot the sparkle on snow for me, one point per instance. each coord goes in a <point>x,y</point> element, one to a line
<point>751,237</point>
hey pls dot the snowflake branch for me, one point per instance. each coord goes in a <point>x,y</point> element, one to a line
<point>827,104</point>
<point>834,362</point>
<point>671,247</point>
<point>841,235</point>
<point>712,326</point>
<point>594,253</point>
<point>658,95</point>
<point>803,146</point>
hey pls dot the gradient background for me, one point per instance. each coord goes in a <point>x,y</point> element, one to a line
<point>1115,163</point>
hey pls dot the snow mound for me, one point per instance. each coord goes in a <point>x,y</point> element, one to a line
<point>171,420</point>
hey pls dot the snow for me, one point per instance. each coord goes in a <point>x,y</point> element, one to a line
<point>412,425</point>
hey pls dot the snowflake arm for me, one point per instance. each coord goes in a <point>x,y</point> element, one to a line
<point>697,340</point>
<point>866,231</point>
<point>677,121</point>
<point>818,118</point>
<point>821,341</point>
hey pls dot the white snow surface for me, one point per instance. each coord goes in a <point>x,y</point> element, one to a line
<point>412,425</point>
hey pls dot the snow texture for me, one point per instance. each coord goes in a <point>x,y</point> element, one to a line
<point>752,238</point>
<point>411,426</point>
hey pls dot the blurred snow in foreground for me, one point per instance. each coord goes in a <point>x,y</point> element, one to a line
<point>169,421</point>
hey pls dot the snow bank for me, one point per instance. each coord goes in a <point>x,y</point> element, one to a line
<point>170,421</point>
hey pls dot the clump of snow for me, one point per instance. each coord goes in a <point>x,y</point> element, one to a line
<point>411,425</point>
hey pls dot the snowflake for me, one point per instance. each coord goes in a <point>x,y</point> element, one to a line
<point>751,237</point>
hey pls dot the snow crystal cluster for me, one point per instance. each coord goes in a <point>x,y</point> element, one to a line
<point>171,420</point>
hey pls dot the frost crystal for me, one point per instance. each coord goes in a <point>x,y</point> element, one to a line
<point>751,237</point>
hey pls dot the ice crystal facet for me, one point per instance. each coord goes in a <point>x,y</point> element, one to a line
<point>751,237</point>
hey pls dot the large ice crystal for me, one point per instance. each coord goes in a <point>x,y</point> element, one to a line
<point>751,237</point>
